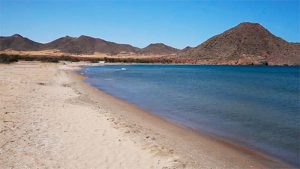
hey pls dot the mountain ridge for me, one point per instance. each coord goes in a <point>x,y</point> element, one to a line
<point>18,42</point>
<point>81,45</point>
<point>88,45</point>
<point>158,48</point>
<point>247,43</point>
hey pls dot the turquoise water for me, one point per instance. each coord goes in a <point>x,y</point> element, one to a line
<point>258,107</point>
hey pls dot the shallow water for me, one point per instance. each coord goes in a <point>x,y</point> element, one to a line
<point>258,107</point>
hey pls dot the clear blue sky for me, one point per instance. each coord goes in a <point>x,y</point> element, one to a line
<point>176,23</point>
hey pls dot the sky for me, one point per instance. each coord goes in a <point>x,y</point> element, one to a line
<point>139,23</point>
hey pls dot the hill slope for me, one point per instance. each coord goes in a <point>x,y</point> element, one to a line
<point>158,49</point>
<point>89,45</point>
<point>18,42</point>
<point>246,43</point>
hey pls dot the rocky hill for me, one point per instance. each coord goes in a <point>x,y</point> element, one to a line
<point>247,43</point>
<point>158,49</point>
<point>82,45</point>
<point>18,42</point>
<point>89,45</point>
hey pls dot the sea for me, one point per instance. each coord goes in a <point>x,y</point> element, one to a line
<point>254,106</point>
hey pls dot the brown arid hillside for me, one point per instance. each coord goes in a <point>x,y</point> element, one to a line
<point>18,42</point>
<point>82,45</point>
<point>158,49</point>
<point>247,43</point>
<point>71,45</point>
<point>89,45</point>
<point>186,49</point>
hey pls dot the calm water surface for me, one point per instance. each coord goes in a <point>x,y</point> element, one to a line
<point>258,107</point>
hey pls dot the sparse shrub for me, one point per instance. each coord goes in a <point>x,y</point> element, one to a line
<point>48,59</point>
<point>265,63</point>
<point>8,58</point>
<point>5,58</point>
<point>69,58</point>
<point>95,60</point>
<point>27,58</point>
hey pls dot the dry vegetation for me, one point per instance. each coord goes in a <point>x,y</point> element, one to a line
<point>9,58</point>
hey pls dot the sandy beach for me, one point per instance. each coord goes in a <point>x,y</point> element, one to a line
<point>50,118</point>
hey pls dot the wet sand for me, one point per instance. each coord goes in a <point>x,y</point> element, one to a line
<point>50,118</point>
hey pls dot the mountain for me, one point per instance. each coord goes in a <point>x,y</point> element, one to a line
<point>247,43</point>
<point>186,49</point>
<point>89,45</point>
<point>82,45</point>
<point>158,49</point>
<point>18,42</point>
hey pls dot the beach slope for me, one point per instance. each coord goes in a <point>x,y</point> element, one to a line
<point>49,118</point>
<point>44,123</point>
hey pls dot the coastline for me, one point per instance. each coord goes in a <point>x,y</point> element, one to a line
<point>175,131</point>
<point>50,113</point>
<point>120,85</point>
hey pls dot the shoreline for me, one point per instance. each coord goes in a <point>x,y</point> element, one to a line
<point>45,122</point>
<point>51,118</point>
<point>262,157</point>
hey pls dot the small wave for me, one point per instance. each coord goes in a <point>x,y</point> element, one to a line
<point>107,79</point>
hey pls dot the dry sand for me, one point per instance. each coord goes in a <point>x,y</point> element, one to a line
<point>49,118</point>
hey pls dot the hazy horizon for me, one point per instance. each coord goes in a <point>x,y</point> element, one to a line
<point>175,23</point>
